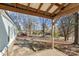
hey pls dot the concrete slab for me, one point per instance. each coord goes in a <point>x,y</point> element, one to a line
<point>49,52</point>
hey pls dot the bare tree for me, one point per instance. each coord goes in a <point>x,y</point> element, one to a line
<point>44,26</point>
<point>76,29</point>
<point>66,26</point>
<point>30,24</point>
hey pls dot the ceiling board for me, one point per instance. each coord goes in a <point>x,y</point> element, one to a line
<point>26,4</point>
<point>35,5</point>
<point>54,7</point>
<point>45,6</point>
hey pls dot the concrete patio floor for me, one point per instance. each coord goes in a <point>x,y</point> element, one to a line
<point>24,51</point>
<point>49,52</point>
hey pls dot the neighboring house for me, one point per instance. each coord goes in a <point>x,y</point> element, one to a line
<point>8,31</point>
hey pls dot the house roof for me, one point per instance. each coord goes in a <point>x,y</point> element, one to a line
<point>46,10</point>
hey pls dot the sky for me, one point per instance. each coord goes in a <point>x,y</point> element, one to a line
<point>22,19</point>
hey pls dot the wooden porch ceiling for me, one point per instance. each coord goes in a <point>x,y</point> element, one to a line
<point>46,10</point>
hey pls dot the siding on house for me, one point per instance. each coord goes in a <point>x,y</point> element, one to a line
<point>7,31</point>
<point>3,35</point>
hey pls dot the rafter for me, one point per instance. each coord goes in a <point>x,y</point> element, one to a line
<point>28,4</point>
<point>21,6</point>
<point>39,7</point>
<point>50,7</point>
<point>58,9</point>
<point>33,9</point>
<point>64,10</point>
<point>44,12</point>
<point>58,4</point>
<point>25,11</point>
<point>72,8</point>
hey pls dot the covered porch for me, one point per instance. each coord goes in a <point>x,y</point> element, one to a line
<point>51,11</point>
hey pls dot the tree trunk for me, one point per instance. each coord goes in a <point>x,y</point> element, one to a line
<point>43,28</point>
<point>65,37</point>
<point>30,30</point>
<point>76,29</point>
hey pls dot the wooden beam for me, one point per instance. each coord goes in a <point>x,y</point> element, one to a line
<point>72,8</point>
<point>40,6</point>
<point>33,9</point>
<point>59,8</point>
<point>49,7</point>
<point>16,5</point>
<point>58,4</point>
<point>44,12</point>
<point>20,8</point>
<point>25,11</point>
<point>28,4</point>
<point>38,10</point>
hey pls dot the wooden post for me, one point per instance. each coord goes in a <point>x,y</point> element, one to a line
<point>76,29</point>
<point>52,36</point>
